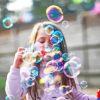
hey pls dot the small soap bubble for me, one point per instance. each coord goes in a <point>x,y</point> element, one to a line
<point>47,58</point>
<point>49,70</point>
<point>65,89</point>
<point>48,49</point>
<point>83,84</point>
<point>56,56</point>
<point>65,57</point>
<point>38,59</point>
<point>34,71</point>
<point>65,24</point>
<point>54,40</point>
<point>49,30</point>
<point>7,22</point>
<point>59,35</point>
<point>54,13</point>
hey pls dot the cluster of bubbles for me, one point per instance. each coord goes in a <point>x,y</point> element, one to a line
<point>55,62</point>
<point>7,22</point>
<point>29,76</point>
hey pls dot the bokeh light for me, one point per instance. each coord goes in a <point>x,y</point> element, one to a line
<point>7,22</point>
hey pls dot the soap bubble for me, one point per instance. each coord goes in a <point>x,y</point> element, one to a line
<point>65,24</point>
<point>71,69</point>
<point>7,22</point>
<point>49,70</point>
<point>54,13</point>
<point>54,40</point>
<point>47,58</point>
<point>49,30</point>
<point>56,55</point>
<point>83,84</point>
<point>65,57</point>
<point>59,35</point>
<point>34,71</point>
<point>48,49</point>
<point>64,90</point>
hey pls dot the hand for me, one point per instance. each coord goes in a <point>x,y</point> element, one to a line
<point>18,60</point>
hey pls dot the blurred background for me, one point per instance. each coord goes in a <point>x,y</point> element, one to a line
<point>81,26</point>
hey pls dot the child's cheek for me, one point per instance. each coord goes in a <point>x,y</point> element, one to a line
<point>39,46</point>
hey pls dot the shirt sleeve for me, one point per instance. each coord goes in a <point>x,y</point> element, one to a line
<point>78,95</point>
<point>13,87</point>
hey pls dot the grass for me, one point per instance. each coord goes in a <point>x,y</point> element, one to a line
<point>2,88</point>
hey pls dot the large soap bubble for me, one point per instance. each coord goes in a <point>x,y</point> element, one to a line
<point>54,13</point>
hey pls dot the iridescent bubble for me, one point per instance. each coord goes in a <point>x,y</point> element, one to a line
<point>60,65</point>
<point>59,35</point>
<point>65,24</point>
<point>77,60</point>
<point>61,98</point>
<point>48,49</point>
<point>56,55</point>
<point>49,29</point>
<point>54,40</point>
<point>49,70</point>
<point>56,48</point>
<point>38,59</point>
<point>64,90</point>
<point>28,57</point>
<point>83,84</point>
<point>71,70</point>
<point>54,13</point>
<point>29,82</point>
<point>65,57</point>
<point>7,22</point>
<point>49,79</point>
<point>47,58</point>
<point>34,71</point>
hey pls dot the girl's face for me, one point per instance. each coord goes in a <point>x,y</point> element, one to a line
<point>42,40</point>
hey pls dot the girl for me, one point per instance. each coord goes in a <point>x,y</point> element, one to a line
<point>40,38</point>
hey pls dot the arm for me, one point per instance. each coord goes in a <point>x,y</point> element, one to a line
<point>78,95</point>
<point>14,86</point>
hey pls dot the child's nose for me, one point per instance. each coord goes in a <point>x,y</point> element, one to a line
<point>47,44</point>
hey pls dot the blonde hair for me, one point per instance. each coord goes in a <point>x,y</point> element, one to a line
<point>36,27</point>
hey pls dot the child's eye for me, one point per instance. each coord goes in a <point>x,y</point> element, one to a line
<point>41,40</point>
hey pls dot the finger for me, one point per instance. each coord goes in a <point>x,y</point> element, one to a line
<point>20,49</point>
